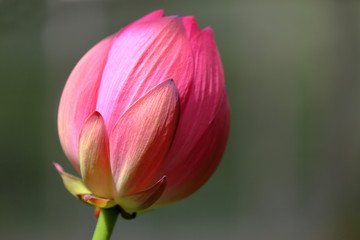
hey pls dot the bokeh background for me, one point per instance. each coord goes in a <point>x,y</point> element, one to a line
<point>292,166</point>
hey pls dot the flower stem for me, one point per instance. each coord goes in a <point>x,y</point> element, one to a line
<point>106,223</point>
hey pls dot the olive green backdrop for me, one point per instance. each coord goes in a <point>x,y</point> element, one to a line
<point>292,166</point>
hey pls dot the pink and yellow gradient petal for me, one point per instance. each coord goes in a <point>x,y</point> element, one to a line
<point>94,157</point>
<point>142,137</point>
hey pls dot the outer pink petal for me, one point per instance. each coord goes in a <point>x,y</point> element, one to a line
<point>151,16</point>
<point>144,55</point>
<point>94,157</point>
<point>142,200</point>
<point>191,26</point>
<point>79,97</point>
<point>142,137</point>
<point>204,99</point>
<point>202,161</point>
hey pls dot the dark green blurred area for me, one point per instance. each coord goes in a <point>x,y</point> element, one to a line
<point>292,166</point>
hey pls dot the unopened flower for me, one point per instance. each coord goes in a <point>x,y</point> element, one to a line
<point>144,116</point>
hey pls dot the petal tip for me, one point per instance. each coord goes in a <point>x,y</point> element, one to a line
<point>191,26</point>
<point>96,114</point>
<point>208,31</point>
<point>163,180</point>
<point>58,167</point>
<point>88,197</point>
<point>159,12</point>
<point>171,83</point>
<point>174,20</point>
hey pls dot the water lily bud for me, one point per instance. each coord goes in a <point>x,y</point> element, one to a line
<point>144,116</point>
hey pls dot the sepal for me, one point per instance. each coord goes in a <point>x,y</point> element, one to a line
<point>96,201</point>
<point>73,184</point>
<point>78,189</point>
<point>142,200</point>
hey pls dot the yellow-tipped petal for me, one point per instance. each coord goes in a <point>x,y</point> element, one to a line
<point>73,184</point>
<point>142,138</point>
<point>94,157</point>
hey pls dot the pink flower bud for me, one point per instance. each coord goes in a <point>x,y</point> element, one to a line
<point>144,116</point>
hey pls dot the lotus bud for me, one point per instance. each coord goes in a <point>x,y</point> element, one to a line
<point>144,116</point>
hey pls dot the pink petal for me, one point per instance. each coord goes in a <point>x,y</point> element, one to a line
<point>204,99</point>
<point>94,157</point>
<point>143,56</point>
<point>142,200</point>
<point>79,97</point>
<point>142,137</point>
<point>201,162</point>
<point>151,16</point>
<point>191,26</point>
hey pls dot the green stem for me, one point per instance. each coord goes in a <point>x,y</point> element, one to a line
<point>106,223</point>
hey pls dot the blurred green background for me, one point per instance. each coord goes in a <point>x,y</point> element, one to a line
<point>292,166</point>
